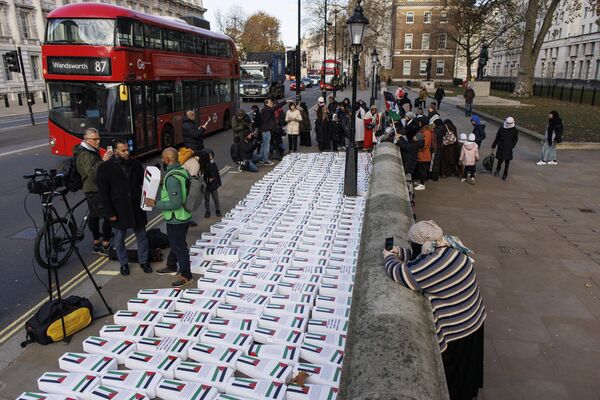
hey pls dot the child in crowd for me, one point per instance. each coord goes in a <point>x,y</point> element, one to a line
<point>469,155</point>
<point>212,178</point>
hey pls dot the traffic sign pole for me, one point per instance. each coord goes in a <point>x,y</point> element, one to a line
<point>26,88</point>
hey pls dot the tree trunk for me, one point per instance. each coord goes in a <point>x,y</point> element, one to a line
<point>524,85</point>
<point>469,58</point>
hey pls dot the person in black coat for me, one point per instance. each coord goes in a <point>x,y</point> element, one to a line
<point>193,137</point>
<point>323,129</point>
<point>268,127</point>
<point>439,95</point>
<point>409,148</point>
<point>506,140</point>
<point>120,182</point>
<point>438,148</point>
<point>212,179</point>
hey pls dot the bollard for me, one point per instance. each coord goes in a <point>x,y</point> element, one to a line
<point>392,350</point>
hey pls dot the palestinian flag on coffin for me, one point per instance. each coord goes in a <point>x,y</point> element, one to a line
<point>391,106</point>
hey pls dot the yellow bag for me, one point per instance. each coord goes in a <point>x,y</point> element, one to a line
<point>74,322</point>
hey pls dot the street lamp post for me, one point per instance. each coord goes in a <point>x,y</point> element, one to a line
<point>323,91</point>
<point>335,46</point>
<point>297,61</point>
<point>374,58</point>
<point>356,28</point>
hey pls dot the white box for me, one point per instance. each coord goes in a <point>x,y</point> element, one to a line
<point>337,278</point>
<point>69,383</point>
<point>215,272</point>
<point>213,375</point>
<point>329,325</point>
<point>140,381</point>
<point>150,185</point>
<point>256,288</point>
<point>221,253</point>
<point>336,289</point>
<point>174,389</point>
<point>301,309</point>
<point>315,354</point>
<point>177,347</point>
<point>182,330</point>
<point>124,317</point>
<point>188,317</point>
<point>294,277</point>
<point>237,340</point>
<point>278,336</point>
<point>158,304</point>
<point>132,332</point>
<point>311,392</point>
<point>42,396</point>
<point>204,293</point>
<point>333,301</point>
<point>319,312</point>
<point>246,325</point>
<point>292,298</point>
<point>87,363</point>
<point>103,392</point>
<point>298,287</point>
<point>326,339</point>
<point>232,311</point>
<point>225,396</point>
<point>117,348</point>
<point>287,353</point>
<point>260,277</point>
<point>250,299</point>
<point>220,283</point>
<point>217,355</point>
<point>320,374</point>
<point>205,305</point>
<point>148,361</point>
<point>282,321</point>
<point>264,368</point>
<point>159,293</point>
<point>259,389</point>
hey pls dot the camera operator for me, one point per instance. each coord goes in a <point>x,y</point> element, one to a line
<point>247,146</point>
<point>120,181</point>
<point>87,156</point>
<point>193,137</point>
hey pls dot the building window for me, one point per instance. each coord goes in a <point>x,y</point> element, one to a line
<point>591,28</point>
<point>581,70</point>
<point>425,41</point>
<point>442,43</point>
<point>25,24</point>
<point>410,17</point>
<point>35,67</point>
<point>439,67</point>
<point>427,17</point>
<point>423,67</point>
<point>7,74</point>
<point>407,65</point>
<point>408,38</point>
<point>444,17</point>
<point>597,69</point>
<point>588,65</point>
<point>582,29</point>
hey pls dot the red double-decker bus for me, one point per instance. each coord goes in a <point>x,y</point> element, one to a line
<point>331,71</point>
<point>133,75</point>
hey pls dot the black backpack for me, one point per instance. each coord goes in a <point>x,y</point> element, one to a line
<point>236,153</point>
<point>157,239</point>
<point>72,179</point>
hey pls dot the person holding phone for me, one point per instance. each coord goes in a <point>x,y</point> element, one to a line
<point>193,136</point>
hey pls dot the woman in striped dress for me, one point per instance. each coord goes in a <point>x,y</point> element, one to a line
<point>440,268</point>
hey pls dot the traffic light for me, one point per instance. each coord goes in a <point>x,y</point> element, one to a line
<point>291,62</point>
<point>12,61</point>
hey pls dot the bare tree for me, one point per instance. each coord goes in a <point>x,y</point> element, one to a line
<point>232,22</point>
<point>474,24</point>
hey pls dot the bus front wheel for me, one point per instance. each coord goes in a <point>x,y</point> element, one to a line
<point>167,138</point>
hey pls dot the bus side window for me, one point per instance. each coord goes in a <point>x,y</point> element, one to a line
<point>172,40</point>
<point>164,98</point>
<point>200,45</point>
<point>213,89</point>
<point>153,37</point>
<point>213,47</point>
<point>138,34</point>
<point>190,95</point>
<point>187,43</point>
<point>178,103</point>
<point>203,89</point>
<point>124,33</point>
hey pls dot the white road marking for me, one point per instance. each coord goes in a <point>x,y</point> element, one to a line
<point>23,126</point>
<point>37,146</point>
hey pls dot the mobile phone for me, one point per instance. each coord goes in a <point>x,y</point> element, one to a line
<point>389,243</point>
<point>109,148</point>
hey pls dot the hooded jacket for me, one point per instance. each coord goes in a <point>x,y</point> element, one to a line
<point>554,131</point>
<point>506,140</point>
<point>478,129</point>
<point>192,136</point>
<point>188,161</point>
<point>293,119</point>
<point>268,122</point>
<point>425,152</point>
<point>87,161</point>
<point>469,154</point>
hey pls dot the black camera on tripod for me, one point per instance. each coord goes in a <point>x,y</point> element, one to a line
<point>42,181</point>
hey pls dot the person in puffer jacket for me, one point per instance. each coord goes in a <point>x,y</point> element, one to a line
<point>469,155</point>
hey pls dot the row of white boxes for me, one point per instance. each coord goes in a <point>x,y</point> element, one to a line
<point>273,302</point>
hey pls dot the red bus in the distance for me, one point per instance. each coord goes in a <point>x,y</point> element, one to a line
<point>133,75</point>
<point>331,71</point>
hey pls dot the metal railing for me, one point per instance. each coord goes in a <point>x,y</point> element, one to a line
<point>552,90</point>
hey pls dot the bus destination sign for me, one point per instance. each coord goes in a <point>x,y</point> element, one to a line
<point>79,66</point>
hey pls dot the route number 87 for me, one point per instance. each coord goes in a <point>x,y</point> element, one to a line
<point>100,66</point>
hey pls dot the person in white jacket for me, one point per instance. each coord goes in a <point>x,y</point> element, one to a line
<point>293,117</point>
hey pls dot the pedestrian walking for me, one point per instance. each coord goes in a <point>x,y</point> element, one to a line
<point>212,180</point>
<point>323,129</point>
<point>442,269</point>
<point>469,95</point>
<point>478,130</point>
<point>172,198</point>
<point>449,151</point>
<point>552,136</point>
<point>193,136</point>
<point>87,160</point>
<point>423,97</point>
<point>305,126</point>
<point>191,163</point>
<point>440,93</point>
<point>469,156</point>
<point>120,181</point>
<point>293,117</point>
<point>268,125</point>
<point>506,140</point>
<point>424,156</point>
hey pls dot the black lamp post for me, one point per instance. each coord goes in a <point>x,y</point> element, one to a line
<point>374,58</point>
<point>297,61</point>
<point>323,91</point>
<point>356,28</point>
<point>335,49</point>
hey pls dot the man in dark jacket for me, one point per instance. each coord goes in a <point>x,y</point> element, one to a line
<point>439,95</point>
<point>193,137</point>
<point>120,182</point>
<point>240,125</point>
<point>268,125</point>
<point>247,148</point>
<point>87,160</point>
<point>478,129</point>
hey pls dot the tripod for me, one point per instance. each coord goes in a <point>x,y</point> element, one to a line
<point>54,227</point>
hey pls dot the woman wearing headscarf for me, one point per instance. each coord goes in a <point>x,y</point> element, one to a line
<point>449,159</point>
<point>441,269</point>
<point>506,140</point>
<point>293,117</point>
<point>323,129</point>
<point>359,130</point>
<point>438,146</point>
<point>552,136</point>
<point>305,126</point>
<point>372,122</point>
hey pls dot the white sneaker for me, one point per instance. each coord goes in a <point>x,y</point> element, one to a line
<point>552,162</point>
<point>420,187</point>
<point>463,179</point>
<point>541,162</point>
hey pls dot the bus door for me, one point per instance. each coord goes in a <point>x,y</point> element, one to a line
<point>144,123</point>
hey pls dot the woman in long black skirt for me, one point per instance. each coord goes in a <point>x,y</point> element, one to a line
<point>458,310</point>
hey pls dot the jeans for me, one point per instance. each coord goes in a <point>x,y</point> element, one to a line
<point>506,164</point>
<point>422,169</point>
<point>179,254</point>
<point>468,109</point>
<point>469,171</point>
<point>265,145</point>
<point>215,196</point>
<point>142,245</point>
<point>293,142</point>
<point>96,211</point>
<point>548,152</point>
<point>250,165</point>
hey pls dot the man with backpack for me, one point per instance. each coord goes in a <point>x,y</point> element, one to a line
<point>87,159</point>
<point>120,181</point>
<point>173,195</point>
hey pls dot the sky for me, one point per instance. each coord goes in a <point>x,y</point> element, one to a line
<point>285,10</point>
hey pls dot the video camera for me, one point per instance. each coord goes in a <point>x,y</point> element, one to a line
<point>42,181</point>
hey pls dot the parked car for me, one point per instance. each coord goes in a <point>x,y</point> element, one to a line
<point>315,79</point>
<point>293,85</point>
<point>307,82</point>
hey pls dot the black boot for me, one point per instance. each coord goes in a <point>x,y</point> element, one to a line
<point>497,172</point>
<point>504,177</point>
<point>125,269</point>
<point>146,268</point>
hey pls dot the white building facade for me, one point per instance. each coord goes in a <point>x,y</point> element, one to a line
<point>22,24</point>
<point>571,50</point>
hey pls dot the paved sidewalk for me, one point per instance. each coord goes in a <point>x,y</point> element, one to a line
<point>537,249</point>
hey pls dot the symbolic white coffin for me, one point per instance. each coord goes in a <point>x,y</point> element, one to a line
<point>127,332</point>
<point>117,348</point>
<point>238,340</point>
<point>138,380</point>
<point>150,186</point>
<point>174,293</point>
<point>298,287</point>
<point>177,347</point>
<point>217,355</point>
<point>69,383</point>
<point>43,396</point>
<point>103,392</point>
<point>259,389</point>
<point>181,330</point>
<point>213,375</point>
<point>87,363</point>
<point>320,312</point>
<point>246,325</point>
<point>204,293</point>
<point>329,325</point>
<point>251,299</point>
<point>123,317</point>
<point>221,253</point>
<point>291,309</point>
<point>333,301</point>
<point>174,389</point>
<point>329,339</point>
<point>292,298</point>
<point>336,289</point>
<point>311,392</point>
<point>264,288</point>
<point>233,311</point>
<point>208,305</point>
<point>157,304</point>
<point>285,336</point>
<point>217,283</point>
<point>320,374</point>
<point>162,363</point>
<point>282,321</point>
<point>286,353</point>
<point>321,354</point>
<point>264,368</point>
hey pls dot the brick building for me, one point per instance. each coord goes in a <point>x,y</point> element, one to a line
<point>419,28</point>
